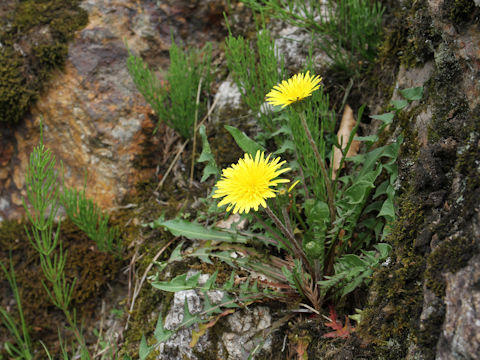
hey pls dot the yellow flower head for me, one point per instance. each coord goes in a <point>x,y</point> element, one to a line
<point>297,88</point>
<point>246,184</point>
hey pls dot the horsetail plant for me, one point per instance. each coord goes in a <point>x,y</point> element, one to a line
<point>350,29</point>
<point>89,218</point>
<point>175,100</point>
<point>44,195</point>
<point>42,185</point>
<point>23,347</point>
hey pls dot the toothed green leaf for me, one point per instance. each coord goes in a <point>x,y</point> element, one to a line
<point>388,209</point>
<point>387,118</point>
<point>176,253</point>
<point>399,104</point>
<point>195,231</point>
<point>144,350</point>
<point>207,156</point>
<point>210,282</point>
<point>243,141</point>
<point>161,334</point>
<point>178,283</point>
<point>411,94</point>
<point>229,284</point>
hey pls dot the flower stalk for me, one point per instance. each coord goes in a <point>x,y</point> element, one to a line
<point>297,249</point>
<point>327,182</point>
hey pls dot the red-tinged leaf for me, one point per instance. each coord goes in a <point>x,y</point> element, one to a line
<point>334,323</point>
<point>277,285</point>
<point>340,330</point>
<point>299,345</point>
<point>301,348</point>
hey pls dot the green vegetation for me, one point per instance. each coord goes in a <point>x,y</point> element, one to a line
<point>89,218</point>
<point>325,234</point>
<point>24,71</point>
<point>42,195</point>
<point>254,77</point>
<point>349,31</point>
<point>327,255</point>
<point>178,102</point>
<point>44,234</point>
<point>23,347</point>
<point>318,240</point>
<point>458,251</point>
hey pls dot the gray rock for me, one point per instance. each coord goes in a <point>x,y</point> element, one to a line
<point>243,336</point>
<point>460,338</point>
<point>228,95</point>
<point>178,345</point>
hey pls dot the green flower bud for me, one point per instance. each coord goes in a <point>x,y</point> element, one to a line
<point>313,249</point>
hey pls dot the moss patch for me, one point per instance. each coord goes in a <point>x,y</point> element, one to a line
<point>34,36</point>
<point>410,36</point>
<point>391,318</point>
<point>92,269</point>
<point>459,11</point>
<point>450,256</point>
<point>451,107</point>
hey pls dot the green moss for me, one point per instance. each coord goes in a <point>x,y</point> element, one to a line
<point>454,253</point>
<point>27,58</point>
<point>459,11</point>
<point>410,35</point>
<point>410,146</point>
<point>394,41</point>
<point>15,94</point>
<point>450,105</point>
<point>149,304</point>
<point>450,256</point>
<point>65,16</point>
<point>143,319</point>
<point>92,269</point>
<point>49,57</point>
<point>469,155</point>
<point>396,304</point>
<point>63,28</point>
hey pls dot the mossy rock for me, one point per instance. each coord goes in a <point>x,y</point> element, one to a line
<point>34,37</point>
<point>391,317</point>
<point>92,269</point>
<point>450,256</point>
<point>459,11</point>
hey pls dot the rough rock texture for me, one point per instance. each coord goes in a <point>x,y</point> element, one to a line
<point>429,297</point>
<point>238,338</point>
<point>460,337</point>
<point>243,329</point>
<point>94,119</point>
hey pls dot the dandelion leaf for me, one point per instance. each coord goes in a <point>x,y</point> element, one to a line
<point>207,156</point>
<point>161,334</point>
<point>178,283</point>
<point>243,141</point>
<point>411,94</point>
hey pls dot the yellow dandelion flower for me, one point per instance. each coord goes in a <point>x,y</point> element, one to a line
<point>246,185</point>
<point>297,88</point>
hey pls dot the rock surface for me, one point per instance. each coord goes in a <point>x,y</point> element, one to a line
<point>94,119</point>
<point>460,337</point>
<point>439,172</point>
<point>239,336</point>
